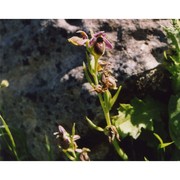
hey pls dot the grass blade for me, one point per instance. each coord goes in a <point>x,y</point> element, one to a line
<point>13,148</point>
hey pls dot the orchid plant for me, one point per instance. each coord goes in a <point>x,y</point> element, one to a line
<point>98,73</point>
<point>67,143</point>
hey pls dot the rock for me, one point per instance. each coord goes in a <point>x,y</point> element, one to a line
<point>46,80</point>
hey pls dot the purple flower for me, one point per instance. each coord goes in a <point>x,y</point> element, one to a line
<point>79,41</point>
<point>100,37</point>
<point>97,44</point>
<point>83,154</point>
<point>64,138</point>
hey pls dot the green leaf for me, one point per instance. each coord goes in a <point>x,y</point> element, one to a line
<point>176,82</point>
<point>89,64</point>
<point>165,145</point>
<point>73,130</point>
<point>125,126</point>
<point>162,145</point>
<point>165,55</point>
<point>12,147</point>
<point>107,99</point>
<point>132,118</point>
<point>114,98</point>
<point>86,74</point>
<point>158,137</point>
<point>94,126</point>
<point>92,65</point>
<point>48,147</point>
<point>47,143</point>
<point>173,34</point>
<point>174,119</point>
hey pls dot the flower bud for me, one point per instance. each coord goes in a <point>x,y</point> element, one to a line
<point>83,154</point>
<point>108,81</point>
<point>4,83</point>
<point>112,133</point>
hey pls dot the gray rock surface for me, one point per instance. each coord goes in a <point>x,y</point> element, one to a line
<point>47,85</point>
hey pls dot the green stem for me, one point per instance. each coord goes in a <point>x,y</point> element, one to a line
<point>121,153</point>
<point>96,65</point>
<point>115,143</point>
<point>69,156</point>
<point>95,75</point>
<point>105,107</point>
<point>106,113</point>
<point>107,116</point>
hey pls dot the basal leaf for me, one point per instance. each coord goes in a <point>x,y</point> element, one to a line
<point>124,126</point>
<point>133,117</point>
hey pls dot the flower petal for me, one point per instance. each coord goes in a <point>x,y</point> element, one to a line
<point>62,131</point>
<point>79,150</point>
<point>83,34</point>
<point>108,44</point>
<point>77,41</point>
<point>92,41</point>
<point>100,33</point>
<point>76,137</point>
